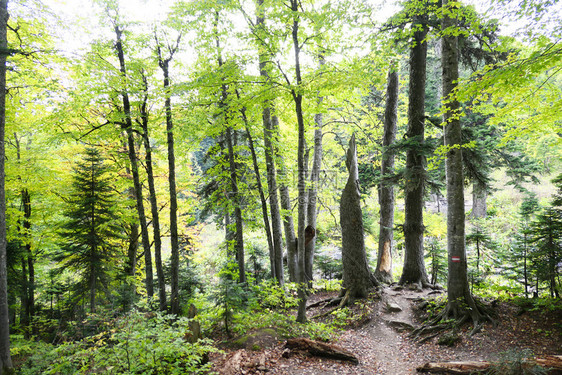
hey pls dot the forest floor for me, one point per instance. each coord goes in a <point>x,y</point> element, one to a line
<point>376,336</point>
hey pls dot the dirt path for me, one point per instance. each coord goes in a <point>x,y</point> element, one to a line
<point>383,349</point>
<point>384,345</point>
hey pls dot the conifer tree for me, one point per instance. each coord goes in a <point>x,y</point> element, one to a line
<point>92,227</point>
<point>546,232</point>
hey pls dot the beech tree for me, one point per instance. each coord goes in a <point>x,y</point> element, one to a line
<point>386,190</point>
<point>164,63</point>
<point>127,125</point>
<point>268,111</point>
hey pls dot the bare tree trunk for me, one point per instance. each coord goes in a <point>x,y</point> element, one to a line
<point>149,283</point>
<point>288,222</point>
<point>383,271</point>
<point>276,253</point>
<point>414,266</point>
<point>302,205</point>
<point>310,241</point>
<point>357,278</point>
<point>153,201</point>
<point>164,64</point>
<point>460,299</point>
<point>6,366</point>
<point>263,200</point>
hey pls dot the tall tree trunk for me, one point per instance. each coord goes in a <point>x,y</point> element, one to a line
<point>460,301</point>
<point>288,222</point>
<point>383,271</point>
<point>128,127</point>
<point>311,217</point>
<point>239,234</point>
<point>414,266</point>
<point>263,200</point>
<point>6,366</point>
<point>479,195</point>
<point>357,278</point>
<point>133,237</point>
<point>276,253</point>
<point>153,200</point>
<point>302,205</point>
<point>132,248</point>
<point>164,64</point>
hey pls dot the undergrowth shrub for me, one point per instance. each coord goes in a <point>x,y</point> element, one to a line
<point>137,343</point>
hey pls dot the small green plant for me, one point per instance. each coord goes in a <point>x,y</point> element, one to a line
<point>268,294</point>
<point>137,343</point>
<point>333,285</point>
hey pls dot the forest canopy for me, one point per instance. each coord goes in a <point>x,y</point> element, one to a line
<point>182,159</point>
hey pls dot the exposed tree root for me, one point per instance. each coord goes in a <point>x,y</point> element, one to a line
<point>325,302</point>
<point>344,300</point>
<point>452,317</point>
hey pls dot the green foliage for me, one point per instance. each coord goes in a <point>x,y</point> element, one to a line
<point>283,323</point>
<point>137,343</point>
<point>92,230</point>
<point>436,254</point>
<point>328,285</point>
<point>269,295</point>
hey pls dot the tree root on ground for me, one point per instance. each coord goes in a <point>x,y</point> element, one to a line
<point>452,317</point>
<point>325,302</point>
<point>343,301</point>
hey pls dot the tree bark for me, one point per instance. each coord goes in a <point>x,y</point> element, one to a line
<point>311,217</point>
<point>552,364</point>
<point>321,349</point>
<point>164,64</point>
<point>301,182</point>
<point>128,127</point>
<point>153,201</point>
<point>276,254</point>
<point>479,195</point>
<point>460,299</point>
<point>263,200</point>
<point>288,222</point>
<point>383,272</point>
<point>356,274</point>
<point>6,366</point>
<point>414,266</point>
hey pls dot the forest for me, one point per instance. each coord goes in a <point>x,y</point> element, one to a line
<point>182,178</point>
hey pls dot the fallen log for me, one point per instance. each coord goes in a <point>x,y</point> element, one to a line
<point>321,349</point>
<point>551,363</point>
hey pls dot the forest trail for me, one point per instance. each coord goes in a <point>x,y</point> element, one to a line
<point>384,349</point>
<point>379,339</point>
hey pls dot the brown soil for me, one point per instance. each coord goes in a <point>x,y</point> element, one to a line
<point>377,337</point>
